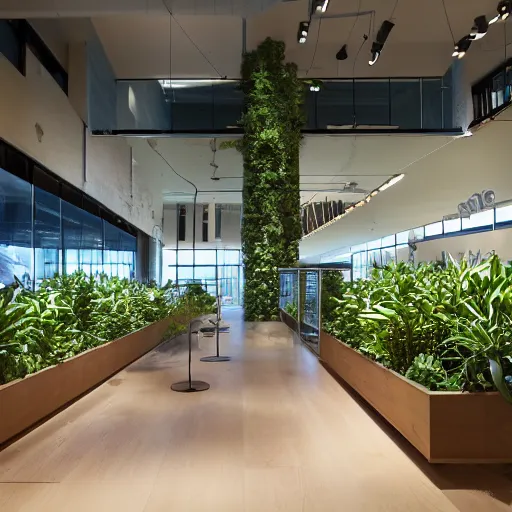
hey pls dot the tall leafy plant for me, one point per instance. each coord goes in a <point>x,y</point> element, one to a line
<point>272,123</point>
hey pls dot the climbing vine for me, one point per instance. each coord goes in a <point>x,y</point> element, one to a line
<point>272,123</point>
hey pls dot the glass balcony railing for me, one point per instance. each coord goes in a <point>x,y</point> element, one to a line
<point>215,106</point>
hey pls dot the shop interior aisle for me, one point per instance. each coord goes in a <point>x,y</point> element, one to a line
<point>276,432</point>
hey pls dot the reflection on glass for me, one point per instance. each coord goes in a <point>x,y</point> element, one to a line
<point>434,229</point>
<point>15,229</point>
<point>478,220</point>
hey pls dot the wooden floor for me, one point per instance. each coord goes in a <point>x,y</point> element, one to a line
<point>275,432</point>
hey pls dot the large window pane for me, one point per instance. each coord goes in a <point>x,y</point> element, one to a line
<point>15,229</point>
<point>119,254</point>
<point>205,257</point>
<point>192,105</point>
<point>372,102</point>
<point>432,103</point>
<point>434,229</point>
<point>82,235</point>
<point>185,257</point>
<point>334,105</point>
<point>406,104</point>
<point>479,220</point>
<point>228,102</point>
<point>229,257</point>
<point>46,235</point>
<point>452,225</point>
<point>504,214</point>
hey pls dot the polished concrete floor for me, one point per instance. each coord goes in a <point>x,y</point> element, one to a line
<point>276,432</point>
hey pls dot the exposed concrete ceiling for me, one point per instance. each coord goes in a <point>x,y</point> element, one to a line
<point>327,165</point>
<point>432,188</point>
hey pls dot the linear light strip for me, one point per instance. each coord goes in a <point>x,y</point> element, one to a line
<point>387,184</point>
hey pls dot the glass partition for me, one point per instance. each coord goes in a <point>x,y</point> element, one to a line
<point>213,105</point>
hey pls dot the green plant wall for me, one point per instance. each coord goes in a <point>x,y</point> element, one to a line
<point>272,123</point>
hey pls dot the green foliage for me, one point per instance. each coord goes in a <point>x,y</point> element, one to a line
<point>446,328</point>
<point>272,124</point>
<point>427,371</point>
<point>332,288</point>
<point>291,309</point>
<point>70,314</point>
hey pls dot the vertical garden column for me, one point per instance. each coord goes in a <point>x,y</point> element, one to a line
<point>272,123</point>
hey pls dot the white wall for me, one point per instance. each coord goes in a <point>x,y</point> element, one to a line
<point>499,241</point>
<point>37,99</point>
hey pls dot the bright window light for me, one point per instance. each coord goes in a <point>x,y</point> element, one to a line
<point>504,214</point>
<point>452,225</point>
<point>374,244</point>
<point>388,241</point>
<point>478,220</point>
<point>402,238</point>
<point>434,229</point>
<point>358,248</point>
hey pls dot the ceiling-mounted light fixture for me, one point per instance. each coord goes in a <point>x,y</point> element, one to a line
<point>462,47</point>
<point>303,31</point>
<point>342,54</point>
<point>319,6</point>
<point>480,28</point>
<point>504,9</point>
<point>392,181</point>
<point>375,51</point>
<point>380,40</point>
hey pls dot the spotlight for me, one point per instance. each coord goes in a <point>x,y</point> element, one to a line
<point>504,9</point>
<point>462,47</point>
<point>314,88</point>
<point>381,38</point>
<point>342,54</point>
<point>318,6</point>
<point>480,28</point>
<point>375,51</point>
<point>302,33</point>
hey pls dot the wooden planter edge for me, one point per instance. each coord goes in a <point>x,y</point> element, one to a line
<point>27,402</point>
<point>445,426</point>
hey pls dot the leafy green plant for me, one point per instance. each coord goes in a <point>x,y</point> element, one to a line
<point>427,371</point>
<point>332,288</point>
<point>447,327</point>
<point>272,123</point>
<point>291,309</point>
<point>70,314</point>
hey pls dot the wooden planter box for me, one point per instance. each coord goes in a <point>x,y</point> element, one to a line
<point>27,401</point>
<point>444,426</point>
<point>289,320</point>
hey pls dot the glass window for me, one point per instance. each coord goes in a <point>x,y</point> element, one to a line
<point>228,257</point>
<point>168,273</point>
<point>388,255</point>
<point>169,257</point>
<point>434,229</point>
<point>358,248</point>
<point>15,229</point>
<point>228,102</point>
<point>374,244</point>
<point>185,257</point>
<point>185,275</point>
<point>374,258</point>
<point>388,241</point>
<point>47,242</point>
<point>452,225</point>
<point>504,214</point>
<point>334,105</point>
<point>10,45</point>
<point>204,257</point>
<point>82,232</point>
<point>192,105</point>
<point>432,103</point>
<point>478,220</point>
<point>402,238</point>
<point>405,104</point>
<point>372,102</point>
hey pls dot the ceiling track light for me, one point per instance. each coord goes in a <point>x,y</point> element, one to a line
<point>480,28</point>
<point>504,9</point>
<point>319,6</point>
<point>462,47</point>
<point>380,40</point>
<point>302,33</point>
<point>342,54</point>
